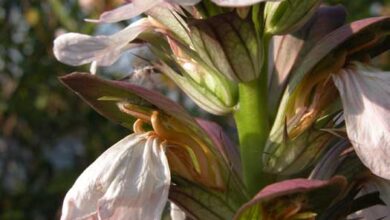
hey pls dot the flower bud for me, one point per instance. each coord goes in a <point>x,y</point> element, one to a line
<point>203,74</point>
<point>230,44</point>
<point>286,16</point>
<point>203,83</point>
<point>210,92</point>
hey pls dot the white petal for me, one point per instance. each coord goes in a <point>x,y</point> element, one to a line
<point>129,181</point>
<point>93,68</point>
<point>365,93</point>
<point>177,213</point>
<point>127,11</point>
<point>78,49</point>
<point>377,211</point>
<point>383,186</point>
<point>136,8</point>
<point>238,3</point>
<point>185,2</point>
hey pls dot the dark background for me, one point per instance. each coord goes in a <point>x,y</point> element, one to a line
<point>48,135</point>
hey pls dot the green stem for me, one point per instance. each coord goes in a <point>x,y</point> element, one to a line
<point>253,128</point>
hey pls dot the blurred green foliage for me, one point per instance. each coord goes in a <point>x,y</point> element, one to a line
<point>47,134</point>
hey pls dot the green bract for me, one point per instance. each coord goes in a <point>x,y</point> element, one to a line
<point>193,58</point>
<point>230,44</point>
<point>285,16</point>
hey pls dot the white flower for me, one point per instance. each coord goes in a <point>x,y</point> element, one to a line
<point>136,8</point>
<point>177,213</point>
<point>77,49</point>
<point>129,181</point>
<point>365,93</point>
<point>383,186</point>
<point>378,211</point>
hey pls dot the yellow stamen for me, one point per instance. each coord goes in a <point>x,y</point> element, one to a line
<point>181,164</point>
<point>138,126</point>
<point>134,111</point>
<point>189,155</point>
<point>303,114</point>
<point>181,139</point>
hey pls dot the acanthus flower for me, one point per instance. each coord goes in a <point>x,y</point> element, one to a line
<point>191,149</point>
<point>132,178</point>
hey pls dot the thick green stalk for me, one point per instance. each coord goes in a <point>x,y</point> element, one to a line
<point>253,128</point>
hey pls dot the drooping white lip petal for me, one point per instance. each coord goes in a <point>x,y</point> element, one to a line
<point>78,49</point>
<point>365,93</point>
<point>238,3</point>
<point>129,181</point>
<point>127,11</point>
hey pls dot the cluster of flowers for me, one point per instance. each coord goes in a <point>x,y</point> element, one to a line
<point>318,93</point>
